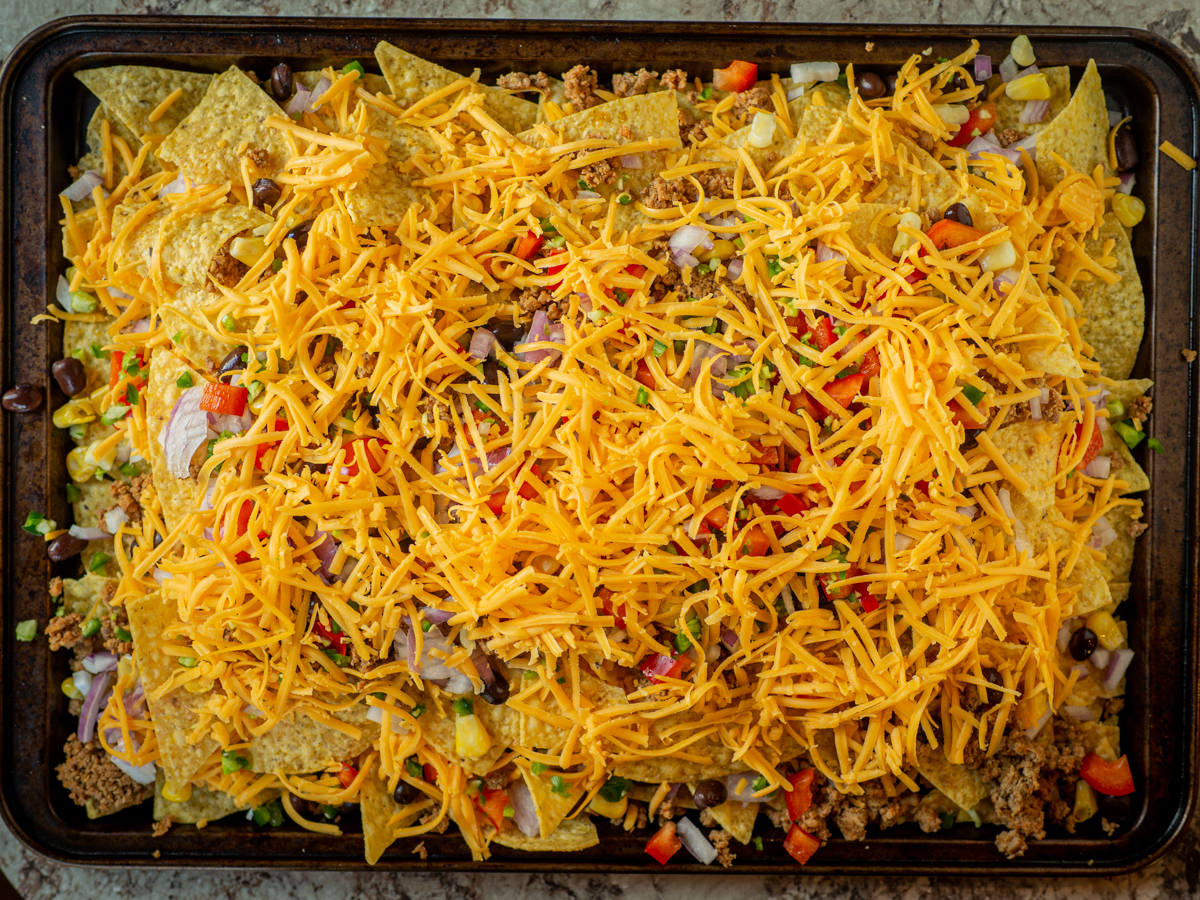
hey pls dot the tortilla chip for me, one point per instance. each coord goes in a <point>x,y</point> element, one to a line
<point>84,336</point>
<point>834,95</point>
<point>867,227</point>
<point>736,818</point>
<point>162,392</point>
<point>94,158</point>
<point>132,93</point>
<point>1049,352</point>
<point>82,595</point>
<point>1101,739</point>
<point>1124,466</point>
<point>1041,527</point>
<point>203,805</point>
<point>551,807</point>
<point>1119,592</point>
<point>209,144</point>
<point>387,192</point>
<point>1130,390</point>
<point>378,806</point>
<point>412,78</point>
<point>557,94</point>
<point>187,315</point>
<point>1008,111</point>
<point>439,732</point>
<point>573,834</point>
<point>1115,314</point>
<point>188,244</point>
<point>1118,556</point>
<point>1078,134</point>
<point>300,744</point>
<point>174,715</point>
<point>1031,448</point>
<point>962,784</point>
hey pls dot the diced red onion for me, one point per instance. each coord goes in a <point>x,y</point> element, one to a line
<point>789,602</point>
<point>1008,276</point>
<point>1100,467</point>
<point>326,551</point>
<point>1008,69</point>
<point>82,681</point>
<point>62,293</point>
<point>89,534</point>
<point>1081,670</point>
<point>298,103</point>
<point>539,331</point>
<point>684,259</point>
<point>1064,636</point>
<point>631,161</point>
<point>766,493</point>
<point>1028,144</point>
<point>1079,713</point>
<point>1034,111</point>
<point>143,774</point>
<point>437,616</point>
<point>1031,70</point>
<point>524,811</point>
<point>979,146</point>
<point>734,269</point>
<point>1114,117</point>
<point>92,704</point>
<point>1006,503</point>
<point>1100,658</point>
<point>114,519</point>
<point>1020,541</point>
<point>694,842</point>
<point>983,67</point>
<point>729,638</point>
<point>317,93</point>
<point>482,342</point>
<point>796,93</point>
<point>903,542</point>
<point>824,254</point>
<point>1103,534</point>
<point>100,662</point>
<point>1128,180</point>
<point>1031,733</point>
<point>808,72</point>
<point>587,195</point>
<point>746,794</point>
<point>689,239</point>
<point>82,187</point>
<point>1035,409</point>
<point>674,789</point>
<point>968,511</point>
<point>219,422</point>
<point>186,430</point>
<point>1115,671</point>
<point>159,575</point>
<point>178,186</point>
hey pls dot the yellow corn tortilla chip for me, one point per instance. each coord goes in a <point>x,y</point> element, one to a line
<point>439,732</point>
<point>1042,527</point>
<point>557,94</point>
<point>1124,466</point>
<point>1101,739</point>
<point>573,834</point>
<point>82,595</point>
<point>378,806</point>
<point>300,744</point>
<point>962,784</point>
<point>1008,111</point>
<point>412,78</point>
<point>94,158</point>
<point>1115,314</point>
<point>188,244</point>
<point>867,226</point>
<point>162,392</point>
<point>1130,390</point>
<point>1049,352</point>
<point>551,807</point>
<point>84,336</point>
<point>132,93</point>
<point>174,715</point>
<point>1078,134</point>
<point>192,314</point>
<point>384,196</point>
<point>203,805</point>
<point>1031,448</point>
<point>736,818</point>
<point>1118,556</point>
<point>834,95</point>
<point>209,144</point>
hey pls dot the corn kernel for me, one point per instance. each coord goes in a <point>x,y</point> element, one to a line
<point>73,412</point>
<point>952,113</point>
<point>79,470</point>
<point>1106,630</point>
<point>68,688</point>
<point>177,796</point>
<point>197,687</point>
<point>124,666</point>
<point>910,220</point>
<point>607,808</point>
<point>1086,802</point>
<point>723,249</point>
<point>1029,87</point>
<point>1129,210</point>
<point>247,250</point>
<point>997,259</point>
<point>762,130</point>
<point>471,740</point>
<point>1022,51</point>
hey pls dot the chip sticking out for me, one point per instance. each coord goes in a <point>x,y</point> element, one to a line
<point>300,744</point>
<point>152,619</point>
<point>1078,134</point>
<point>387,192</point>
<point>573,834</point>
<point>93,160</point>
<point>1031,449</point>
<point>439,730</point>
<point>192,314</point>
<point>1048,350</point>
<point>378,807</point>
<point>412,78</point>
<point>873,223</point>
<point>228,124</point>
<point>1124,466</point>
<point>1115,313</point>
<point>1008,110</point>
<point>961,783</point>
<point>553,798</point>
<point>135,94</point>
<point>202,805</point>
<point>736,818</point>
<point>177,495</point>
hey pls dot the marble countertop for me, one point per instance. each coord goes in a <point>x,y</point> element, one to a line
<point>1177,875</point>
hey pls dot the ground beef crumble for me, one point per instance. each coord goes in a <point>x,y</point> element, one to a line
<point>928,819</point>
<point>1135,529</point>
<point>56,587</point>
<point>642,818</point>
<point>1008,136</point>
<point>65,631</point>
<point>580,87</point>
<point>630,84</point>
<point>92,777</point>
<point>126,498</point>
<point>519,81</point>
<point>674,79</point>
<point>720,840</point>
<point>440,827</point>
<point>1188,354</point>
<point>757,97</point>
<point>225,270</point>
<point>691,131</point>
<point>530,300</point>
<point>161,827</point>
<point>600,172</point>
<point>434,408</point>
<point>258,156</point>
<point>108,629</point>
<point>1140,409</point>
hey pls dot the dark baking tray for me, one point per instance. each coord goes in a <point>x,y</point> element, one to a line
<point>44,114</point>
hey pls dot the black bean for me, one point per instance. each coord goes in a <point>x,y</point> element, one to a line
<point>506,332</point>
<point>497,692</point>
<point>22,398</point>
<point>232,362</point>
<point>281,81</point>
<point>491,371</point>
<point>405,793</point>
<point>891,84</point>
<point>70,375</point>
<point>958,212</point>
<point>1126,149</point>
<point>992,677</point>
<point>1115,808</point>
<point>709,793</point>
<point>870,85</point>
<point>65,546</point>
<point>1082,644</point>
<point>266,193</point>
<point>299,234</point>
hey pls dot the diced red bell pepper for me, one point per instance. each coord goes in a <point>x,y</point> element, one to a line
<point>637,270</point>
<point>756,542</point>
<point>528,245</point>
<point>799,798</point>
<point>609,608</point>
<point>791,505</point>
<point>764,456</point>
<point>224,399</point>
<point>554,270</point>
<point>660,666</point>
<point>825,336</point>
<point>493,803</point>
<point>430,773</point>
<point>961,416</point>
<point>845,389</point>
<point>806,401</point>
<point>336,641</point>
<point>369,451</point>
<point>116,359</point>
<point>496,502</point>
<point>242,522</point>
<point>949,233</point>
<point>261,450</point>
<point>799,325</point>
<point>738,76</point>
<point>868,365</point>
<point>800,844</point>
<point>717,517</point>
<point>347,775</point>
<point>644,376</point>
<point>527,490</point>
<point>980,122</point>
<point>1093,446</point>
<point>1111,778</point>
<point>664,844</point>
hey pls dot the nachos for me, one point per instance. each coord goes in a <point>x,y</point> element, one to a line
<point>711,460</point>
